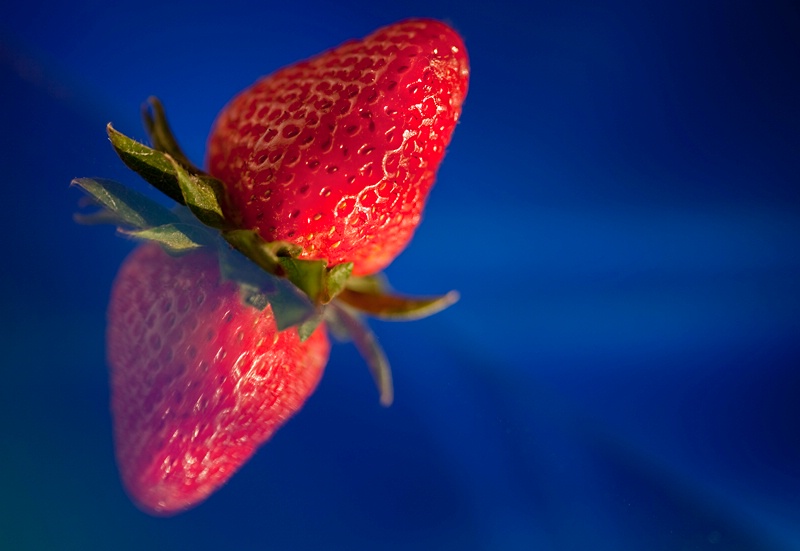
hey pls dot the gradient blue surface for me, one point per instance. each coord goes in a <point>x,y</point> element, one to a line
<point>620,209</point>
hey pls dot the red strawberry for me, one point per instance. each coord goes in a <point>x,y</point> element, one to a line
<point>199,380</point>
<point>337,154</point>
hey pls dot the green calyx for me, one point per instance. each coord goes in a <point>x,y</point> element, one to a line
<point>300,292</point>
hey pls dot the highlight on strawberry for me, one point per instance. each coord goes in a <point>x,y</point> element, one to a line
<point>316,178</point>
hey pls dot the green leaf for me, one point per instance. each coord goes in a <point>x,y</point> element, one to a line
<point>168,169</point>
<point>154,166</point>
<point>290,306</point>
<point>176,238</point>
<point>336,279</point>
<point>123,206</point>
<point>349,323</point>
<point>203,196</point>
<point>308,327</point>
<point>315,279</point>
<point>307,275</point>
<point>375,283</point>
<point>279,258</point>
<point>396,307</point>
<point>160,133</point>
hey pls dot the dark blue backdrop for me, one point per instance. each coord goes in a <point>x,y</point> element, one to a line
<point>620,209</point>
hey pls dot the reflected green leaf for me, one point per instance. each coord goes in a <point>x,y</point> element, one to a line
<point>126,207</point>
<point>345,322</point>
<point>176,238</point>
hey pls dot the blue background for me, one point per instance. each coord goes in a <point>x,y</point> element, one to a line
<point>620,209</point>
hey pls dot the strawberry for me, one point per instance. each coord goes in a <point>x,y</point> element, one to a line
<point>199,380</point>
<point>337,154</point>
<point>318,177</point>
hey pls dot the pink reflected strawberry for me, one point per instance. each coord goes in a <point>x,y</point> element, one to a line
<point>199,380</point>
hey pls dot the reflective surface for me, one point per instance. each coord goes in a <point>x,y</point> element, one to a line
<point>619,208</point>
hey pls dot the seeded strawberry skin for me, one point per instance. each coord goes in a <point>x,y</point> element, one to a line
<point>199,380</point>
<point>338,153</point>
